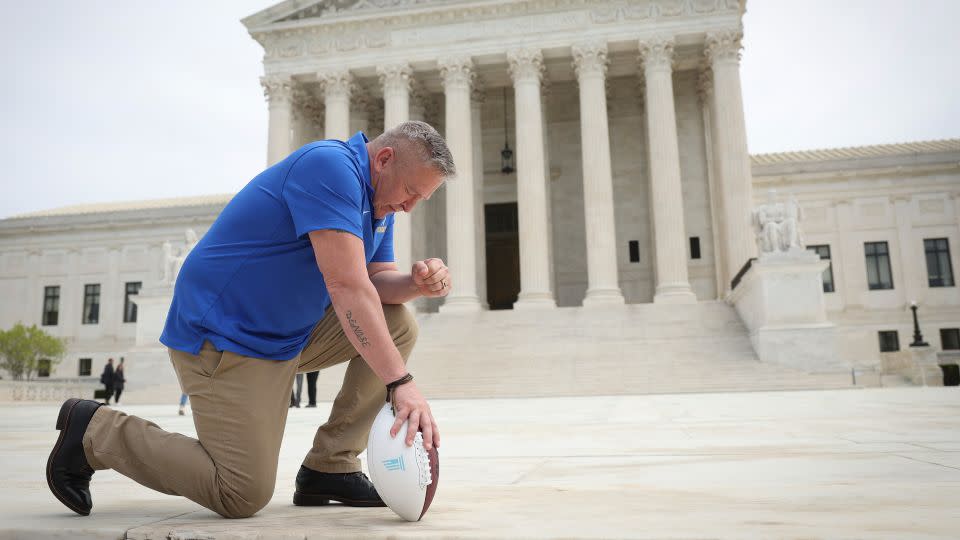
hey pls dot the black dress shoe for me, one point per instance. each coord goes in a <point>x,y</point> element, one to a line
<point>318,489</point>
<point>68,473</point>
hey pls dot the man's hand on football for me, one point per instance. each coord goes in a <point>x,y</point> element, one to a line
<point>410,405</point>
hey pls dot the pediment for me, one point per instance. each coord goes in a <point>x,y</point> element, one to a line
<point>321,10</point>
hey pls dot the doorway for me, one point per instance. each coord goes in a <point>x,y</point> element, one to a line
<point>503,254</point>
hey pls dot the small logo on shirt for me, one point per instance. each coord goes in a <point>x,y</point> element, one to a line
<point>366,211</point>
<point>382,229</point>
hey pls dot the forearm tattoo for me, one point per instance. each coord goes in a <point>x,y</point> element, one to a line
<point>361,337</point>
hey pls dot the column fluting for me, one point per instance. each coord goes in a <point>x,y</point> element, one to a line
<point>337,87</point>
<point>590,65</point>
<point>526,70</point>
<point>278,91</point>
<point>457,75</point>
<point>723,54</point>
<point>396,80</point>
<point>666,194</point>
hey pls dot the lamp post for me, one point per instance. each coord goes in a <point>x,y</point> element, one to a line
<point>917,336</point>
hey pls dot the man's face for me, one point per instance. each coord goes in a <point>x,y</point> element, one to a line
<point>400,181</point>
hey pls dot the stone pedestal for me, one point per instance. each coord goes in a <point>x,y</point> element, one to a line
<point>780,300</point>
<point>917,364</point>
<point>153,303</point>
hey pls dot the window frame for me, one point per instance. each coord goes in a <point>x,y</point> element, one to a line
<point>944,264</point>
<point>875,259</point>
<point>130,308</point>
<point>91,304</point>
<point>887,333</point>
<point>956,339</point>
<point>55,300</point>
<point>80,366</point>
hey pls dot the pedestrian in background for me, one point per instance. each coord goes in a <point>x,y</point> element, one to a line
<point>183,403</point>
<point>311,388</point>
<point>118,379</point>
<point>296,393</point>
<point>106,379</point>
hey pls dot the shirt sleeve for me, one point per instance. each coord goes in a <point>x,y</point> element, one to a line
<point>384,253</point>
<point>323,190</point>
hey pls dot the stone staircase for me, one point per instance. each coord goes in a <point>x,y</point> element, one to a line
<point>632,349</point>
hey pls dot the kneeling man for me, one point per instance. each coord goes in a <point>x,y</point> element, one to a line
<point>295,275</point>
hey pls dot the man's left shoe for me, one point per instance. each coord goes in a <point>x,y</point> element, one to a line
<point>318,489</point>
<point>68,473</point>
<point>311,405</point>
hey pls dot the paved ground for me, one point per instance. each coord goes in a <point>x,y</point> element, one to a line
<point>880,463</point>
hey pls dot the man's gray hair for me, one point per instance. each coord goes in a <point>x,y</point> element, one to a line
<point>433,148</point>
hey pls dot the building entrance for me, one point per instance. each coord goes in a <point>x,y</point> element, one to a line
<point>503,255</point>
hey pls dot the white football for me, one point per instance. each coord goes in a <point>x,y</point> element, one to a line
<point>405,476</point>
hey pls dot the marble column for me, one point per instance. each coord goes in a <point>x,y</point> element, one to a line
<point>337,88</point>
<point>526,70</point>
<point>666,195</point>
<point>705,96</point>
<point>478,98</point>
<point>723,54</point>
<point>396,80</point>
<point>457,76</point>
<point>279,93</point>
<point>590,65</point>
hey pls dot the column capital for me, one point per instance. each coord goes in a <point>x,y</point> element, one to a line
<point>359,99</point>
<point>277,89</point>
<point>456,71</point>
<point>525,64</point>
<point>723,45</point>
<point>704,83</point>
<point>478,92</point>
<point>656,54</point>
<point>590,59</point>
<point>395,77</point>
<point>336,83</point>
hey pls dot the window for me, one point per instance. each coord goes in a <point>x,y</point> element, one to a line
<point>950,339</point>
<point>694,247</point>
<point>824,252</point>
<point>634,251</point>
<point>43,367</point>
<point>878,265</point>
<point>91,303</point>
<point>939,269</point>
<point>85,364</point>
<point>130,308</point>
<point>51,305</point>
<point>889,341</point>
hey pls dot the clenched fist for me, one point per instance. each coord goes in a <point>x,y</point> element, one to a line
<point>432,278</point>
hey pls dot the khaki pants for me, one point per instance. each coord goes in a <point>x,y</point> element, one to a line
<point>240,408</point>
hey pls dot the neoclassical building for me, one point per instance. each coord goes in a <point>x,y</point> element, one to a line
<point>603,169</point>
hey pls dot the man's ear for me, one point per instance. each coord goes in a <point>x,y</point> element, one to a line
<point>383,156</point>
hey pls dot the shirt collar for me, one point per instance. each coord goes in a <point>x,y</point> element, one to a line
<point>358,143</point>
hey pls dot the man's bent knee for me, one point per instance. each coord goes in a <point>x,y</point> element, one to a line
<point>243,503</point>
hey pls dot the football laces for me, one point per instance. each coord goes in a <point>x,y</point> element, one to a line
<point>423,461</point>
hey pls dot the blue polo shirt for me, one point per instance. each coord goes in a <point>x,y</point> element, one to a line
<point>251,285</point>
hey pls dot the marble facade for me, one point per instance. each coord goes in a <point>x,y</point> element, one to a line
<point>626,120</point>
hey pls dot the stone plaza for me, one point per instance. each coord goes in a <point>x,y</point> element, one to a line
<point>874,463</point>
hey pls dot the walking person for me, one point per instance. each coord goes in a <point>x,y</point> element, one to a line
<point>106,379</point>
<point>118,379</point>
<point>297,274</point>
<point>183,403</point>
<point>312,389</point>
<point>295,394</point>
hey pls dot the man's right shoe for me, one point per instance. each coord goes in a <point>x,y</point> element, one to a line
<point>68,473</point>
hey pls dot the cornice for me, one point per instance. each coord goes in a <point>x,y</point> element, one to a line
<point>312,37</point>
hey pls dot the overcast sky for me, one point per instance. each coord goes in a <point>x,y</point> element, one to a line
<point>128,99</point>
